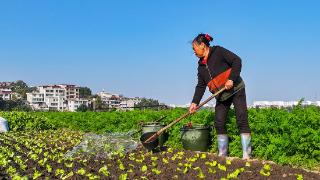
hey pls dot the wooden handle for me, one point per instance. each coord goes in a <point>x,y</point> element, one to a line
<point>181,117</point>
<point>160,119</point>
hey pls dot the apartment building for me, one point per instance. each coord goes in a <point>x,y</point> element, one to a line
<point>118,101</point>
<point>110,100</point>
<point>127,104</point>
<point>73,104</point>
<point>7,94</point>
<point>72,91</point>
<point>6,85</point>
<point>278,104</point>
<point>61,97</point>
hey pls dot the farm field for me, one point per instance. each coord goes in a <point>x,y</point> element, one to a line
<point>41,155</point>
<point>36,146</point>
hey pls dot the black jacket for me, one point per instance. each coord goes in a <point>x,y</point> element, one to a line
<point>219,60</point>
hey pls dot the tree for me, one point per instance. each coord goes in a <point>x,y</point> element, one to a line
<point>22,88</point>
<point>84,92</point>
<point>10,105</point>
<point>82,108</point>
<point>148,103</point>
<point>2,104</point>
<point>96,103</point>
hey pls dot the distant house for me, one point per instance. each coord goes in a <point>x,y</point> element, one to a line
<point>110,100</point>
<point>7,94</point>
<point>55,97</point>
<point>128,104</point>
<point>280,104</point>
<point>6,85</point>
<point>117,101</point>
<point>74,104</point>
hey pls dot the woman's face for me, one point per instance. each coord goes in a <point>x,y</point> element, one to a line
<point>198,49</point>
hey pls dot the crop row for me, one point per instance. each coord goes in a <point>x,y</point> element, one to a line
<point>41,155</point>
<point>286,137</point>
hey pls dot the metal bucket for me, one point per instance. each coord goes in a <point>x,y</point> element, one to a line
<point>154,127</point>
<point>196,138</point>
<point>149,145</point>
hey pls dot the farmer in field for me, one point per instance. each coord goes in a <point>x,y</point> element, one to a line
<point>214,61</point>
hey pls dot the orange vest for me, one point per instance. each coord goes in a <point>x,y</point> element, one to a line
<point>219,81</point>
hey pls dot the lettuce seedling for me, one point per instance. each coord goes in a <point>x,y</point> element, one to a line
<point>222,167</point>
<point>265,171</point>
<point>123,176</point>
<point>92,176</point>
<point>104,171</point>
<point>234,174</point>
<point>156,171</point>
<point>69,165</point>
<point>70,174</point>
<point>59,172</point>
<point>144,168</point>
<point>164,160</point>
<point>212,171</point>
<point>121,166</point>
<point>154,164</point>
<point>299,176</point>
<point>203,156</point>
<point>36,174</point>
<point>81,172</point>
<point>18,177</point>
<point>200,173</point>
<point>211,164</point>
<point>11,170</point>
<point>49,168</point>
<point>154,158</point>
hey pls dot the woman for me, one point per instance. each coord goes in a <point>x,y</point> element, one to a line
<point>212,62</point>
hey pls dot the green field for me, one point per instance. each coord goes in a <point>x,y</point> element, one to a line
<point>287,138</point>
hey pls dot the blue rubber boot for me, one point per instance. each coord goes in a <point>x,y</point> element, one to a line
<point>246,146</point>
<point>223,145</point>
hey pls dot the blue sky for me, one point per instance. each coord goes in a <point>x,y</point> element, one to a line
<point>142,48</point>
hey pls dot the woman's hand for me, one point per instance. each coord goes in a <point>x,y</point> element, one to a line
<point>193,108</point>
<point>229,84</point>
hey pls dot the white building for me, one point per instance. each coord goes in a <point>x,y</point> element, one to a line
<point>55,97</point>
<point>36,101</point>
<point>72,91</point>
<point>128,104</point>
<point>73,104</point>
<point>278,104</point>
<point>110,100</point>
<point>7,94</point>
<point>118,101</point>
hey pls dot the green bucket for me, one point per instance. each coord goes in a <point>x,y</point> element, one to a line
<point>154,127</point>
<point>196,138</point>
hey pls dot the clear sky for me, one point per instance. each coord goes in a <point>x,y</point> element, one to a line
<point>143,48</point>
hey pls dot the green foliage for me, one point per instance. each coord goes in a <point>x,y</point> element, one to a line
<point>84,92</point>
<point>26,121</point>
<point>21,88</point>
<point>14,105</point>
<point>286,137</point>
<point>82,108</point>
<point>149,104</point>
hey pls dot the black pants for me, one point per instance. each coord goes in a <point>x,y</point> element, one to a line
<point>240,105</point>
